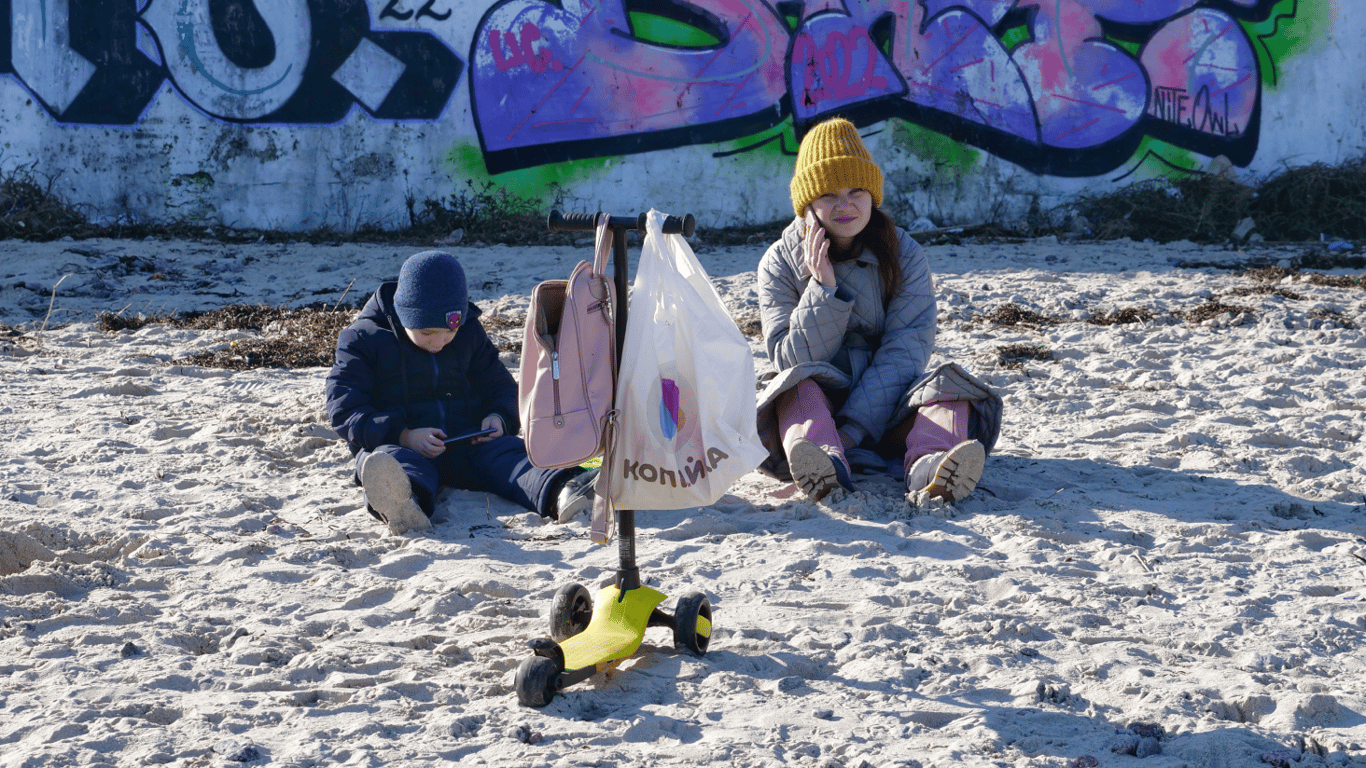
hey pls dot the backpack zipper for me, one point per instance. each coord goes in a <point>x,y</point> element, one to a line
<point>555,384</point>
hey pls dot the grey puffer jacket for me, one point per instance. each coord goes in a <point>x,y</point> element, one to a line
<point>845,336</point>
<point>848,340</point>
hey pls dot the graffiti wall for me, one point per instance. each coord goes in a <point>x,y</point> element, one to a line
<point>294,114</point>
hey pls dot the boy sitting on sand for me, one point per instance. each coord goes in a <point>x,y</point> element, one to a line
<point>416,368</point>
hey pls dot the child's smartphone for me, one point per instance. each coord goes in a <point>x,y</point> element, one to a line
<point>471,435</point>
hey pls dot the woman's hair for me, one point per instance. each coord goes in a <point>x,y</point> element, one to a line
<point>880,238</point>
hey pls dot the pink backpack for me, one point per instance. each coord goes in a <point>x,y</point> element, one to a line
<point>569,362</point>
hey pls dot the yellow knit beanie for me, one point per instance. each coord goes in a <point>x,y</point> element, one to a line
<point>832,156</point>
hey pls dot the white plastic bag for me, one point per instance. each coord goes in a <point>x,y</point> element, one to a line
<point>686,427</point>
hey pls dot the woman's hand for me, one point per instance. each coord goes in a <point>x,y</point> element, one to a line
<point>494,422</point>
<point>426,442</point>
<point>817,247</point>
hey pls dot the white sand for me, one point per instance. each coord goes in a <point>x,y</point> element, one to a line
<point>1171,531</point>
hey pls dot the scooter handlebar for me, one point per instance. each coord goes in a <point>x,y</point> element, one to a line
<point>587,222</point>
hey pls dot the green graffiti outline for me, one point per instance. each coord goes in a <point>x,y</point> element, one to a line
<point>467,161</point>
<point>1278,42</point>
<point>948,154</point>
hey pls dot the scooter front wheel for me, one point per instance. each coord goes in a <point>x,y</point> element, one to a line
<point>536,681</point>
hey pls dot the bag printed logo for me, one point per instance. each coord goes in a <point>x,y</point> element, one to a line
<point>677,423</point>
<point>671,416</point>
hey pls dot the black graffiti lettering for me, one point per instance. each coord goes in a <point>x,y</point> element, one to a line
<point>118,80</point>
<point>1211,120</point>
<point>426,10</point>
<point>628,469</point>
<point>390,12</point>
<point>670,476</point>
<point>1171,104</point>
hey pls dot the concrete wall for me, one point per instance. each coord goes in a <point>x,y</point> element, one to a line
<point>293,114</point>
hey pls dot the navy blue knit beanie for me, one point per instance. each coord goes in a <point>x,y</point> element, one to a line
<point>431,292</point>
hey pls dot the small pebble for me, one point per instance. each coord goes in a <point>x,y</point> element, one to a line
<point>824,714</point>
<point>1126,744</point>
<point>129,649</point>
<point>1147,730</point>
<point>1147,746</point>
<point>788,684</point>
<point>1281,758</point>
<point>1085,761</point>
<point>524,734</point>
<point>235,751</point>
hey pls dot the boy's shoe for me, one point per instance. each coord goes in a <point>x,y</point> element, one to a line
<point>949,475</point>
<point>816,472</point>
<point>576,496</point>
<point>390,494</point>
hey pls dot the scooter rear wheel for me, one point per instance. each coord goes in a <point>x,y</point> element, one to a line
<point>571,612</point>
<point>536,681</point>
<point>687,633</point>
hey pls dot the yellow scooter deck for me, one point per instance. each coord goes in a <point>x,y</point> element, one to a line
<point>616,629</point>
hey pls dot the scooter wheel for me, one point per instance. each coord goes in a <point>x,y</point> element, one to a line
<point>571,612</point>
<point>692,623</point>
<point>536,681</point>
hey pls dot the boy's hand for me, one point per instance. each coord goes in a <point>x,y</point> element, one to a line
<point>494,422</point>
<point>425,441</point>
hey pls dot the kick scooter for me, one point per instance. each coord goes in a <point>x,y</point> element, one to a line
<point>585,638</point>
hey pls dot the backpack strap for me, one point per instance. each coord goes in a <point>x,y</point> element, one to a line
<point>603,245</point>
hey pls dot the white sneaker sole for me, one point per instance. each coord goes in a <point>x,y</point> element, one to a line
<point>387,490</point>
<point>958,472</point>
<point>813,470</point>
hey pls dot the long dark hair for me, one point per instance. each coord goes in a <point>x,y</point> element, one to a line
<point>880,238</point>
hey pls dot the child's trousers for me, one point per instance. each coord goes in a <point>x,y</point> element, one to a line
<point>804,413</point>
<point>500,467</point>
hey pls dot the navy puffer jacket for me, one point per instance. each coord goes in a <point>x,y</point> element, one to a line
<point>382,383</point>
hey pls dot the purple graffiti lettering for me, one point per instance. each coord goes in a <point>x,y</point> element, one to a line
<point>610,84</point>
<point>844,68</point>
<point>1086,91</point>
<point>958,68</point>
<point>1053,86</point>
<point>1204,74</point>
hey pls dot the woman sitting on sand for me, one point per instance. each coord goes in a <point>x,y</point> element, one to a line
<point>848,313</point>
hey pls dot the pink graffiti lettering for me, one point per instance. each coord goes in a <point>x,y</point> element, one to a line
<point>522,51</point>
<point>843,68</point>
